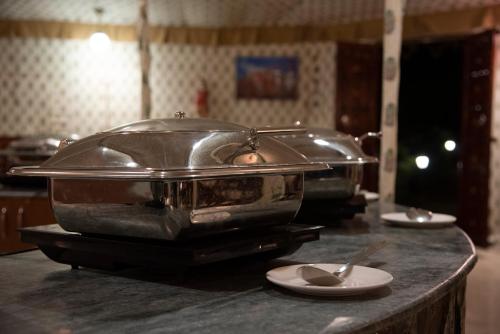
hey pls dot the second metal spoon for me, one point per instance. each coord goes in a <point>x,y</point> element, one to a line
<point>419,215</point>
<point>318,276</point>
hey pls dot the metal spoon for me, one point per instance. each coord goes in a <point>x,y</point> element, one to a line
<point>318,276</point>
<point>419,215</point>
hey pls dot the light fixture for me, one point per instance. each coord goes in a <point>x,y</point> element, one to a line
<point>422,161</point>
<point>99,41</point>
<point>450,145</point>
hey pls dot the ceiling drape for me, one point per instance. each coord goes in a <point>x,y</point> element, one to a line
<point>456,22</point>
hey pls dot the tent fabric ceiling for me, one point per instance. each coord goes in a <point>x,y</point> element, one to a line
<point>222,13</point>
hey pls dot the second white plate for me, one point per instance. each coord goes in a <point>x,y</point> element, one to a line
<point>359,281</point>
<point>401,219</point>
<point>369,196</point>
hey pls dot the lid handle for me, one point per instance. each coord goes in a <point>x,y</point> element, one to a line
<point>180,115</point>
<point>280,130</point>
<point>367,135</point>
<point>253,139</point>
<point>65,142</point>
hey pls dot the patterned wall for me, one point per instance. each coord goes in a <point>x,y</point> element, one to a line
<point>176,71</point>
<point>54,86</point>
<point>62,86</point>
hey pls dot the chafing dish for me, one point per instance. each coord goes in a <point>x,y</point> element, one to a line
<point>343,155</point>
<point>27,151</point>
<point>174,178</point>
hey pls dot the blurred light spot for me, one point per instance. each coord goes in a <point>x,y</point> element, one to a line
<point>99,42</point>
<point>422,161</point>
<point>450,145</point>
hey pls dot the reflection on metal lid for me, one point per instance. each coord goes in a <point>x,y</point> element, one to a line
<point>321,142</point>
<point>327,146</point>
<point>178,124</point>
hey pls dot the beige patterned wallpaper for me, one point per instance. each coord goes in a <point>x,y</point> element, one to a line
<point>54,86</point>
<point>176,71</point>
<point>63,87</point>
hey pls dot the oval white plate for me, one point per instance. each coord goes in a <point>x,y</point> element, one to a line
<point>359,281</point>
<point>401,219</point>
<point>370,197</point>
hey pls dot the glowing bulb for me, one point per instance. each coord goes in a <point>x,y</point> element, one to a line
<point>450,145</point>
<point>99,42</point>
<point>422,161</point>
<point>132,164</point>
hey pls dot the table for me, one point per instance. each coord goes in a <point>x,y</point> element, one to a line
<point>427,295</point>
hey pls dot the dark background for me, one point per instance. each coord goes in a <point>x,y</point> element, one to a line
<point>429,114</point>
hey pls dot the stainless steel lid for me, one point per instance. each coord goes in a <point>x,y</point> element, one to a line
<point>36,146</point>
<point>329,146</point>
<point>173,149</point>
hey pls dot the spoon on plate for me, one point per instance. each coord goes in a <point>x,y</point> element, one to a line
<point>317,276</point>
<point>419,215</point>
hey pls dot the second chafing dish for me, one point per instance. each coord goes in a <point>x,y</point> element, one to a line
<point>24,152</point>
<point>343,155</point>
<point>174,178</point>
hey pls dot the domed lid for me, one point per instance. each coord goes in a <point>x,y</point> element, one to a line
<point>179,124</point>
<point>329,146</point>
<point>172,149</point>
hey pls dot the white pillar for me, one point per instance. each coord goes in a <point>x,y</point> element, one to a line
<point>145,56</point>
<point>393,27</point>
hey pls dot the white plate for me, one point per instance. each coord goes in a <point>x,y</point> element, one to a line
<point>401,219</point>
<point>370,197</point>
<point>359,281</point>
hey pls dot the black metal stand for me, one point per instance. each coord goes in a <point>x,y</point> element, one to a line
<point>112,253</point>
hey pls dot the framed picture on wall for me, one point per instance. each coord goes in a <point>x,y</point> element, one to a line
<point>267,77</point>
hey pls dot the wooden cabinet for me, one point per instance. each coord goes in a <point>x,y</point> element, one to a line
<point>18,212</point>
<point>474,192</point>
<point>358,97</point>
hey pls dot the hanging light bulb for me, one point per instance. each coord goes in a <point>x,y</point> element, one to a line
<point>99,41</point>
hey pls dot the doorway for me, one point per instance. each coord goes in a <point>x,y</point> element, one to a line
<point>445,108</point>
<point>445,103</point>
<point>430,107</point>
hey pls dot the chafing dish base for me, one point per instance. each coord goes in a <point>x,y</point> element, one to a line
<point>112,253</point>
<point>330,211</point>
